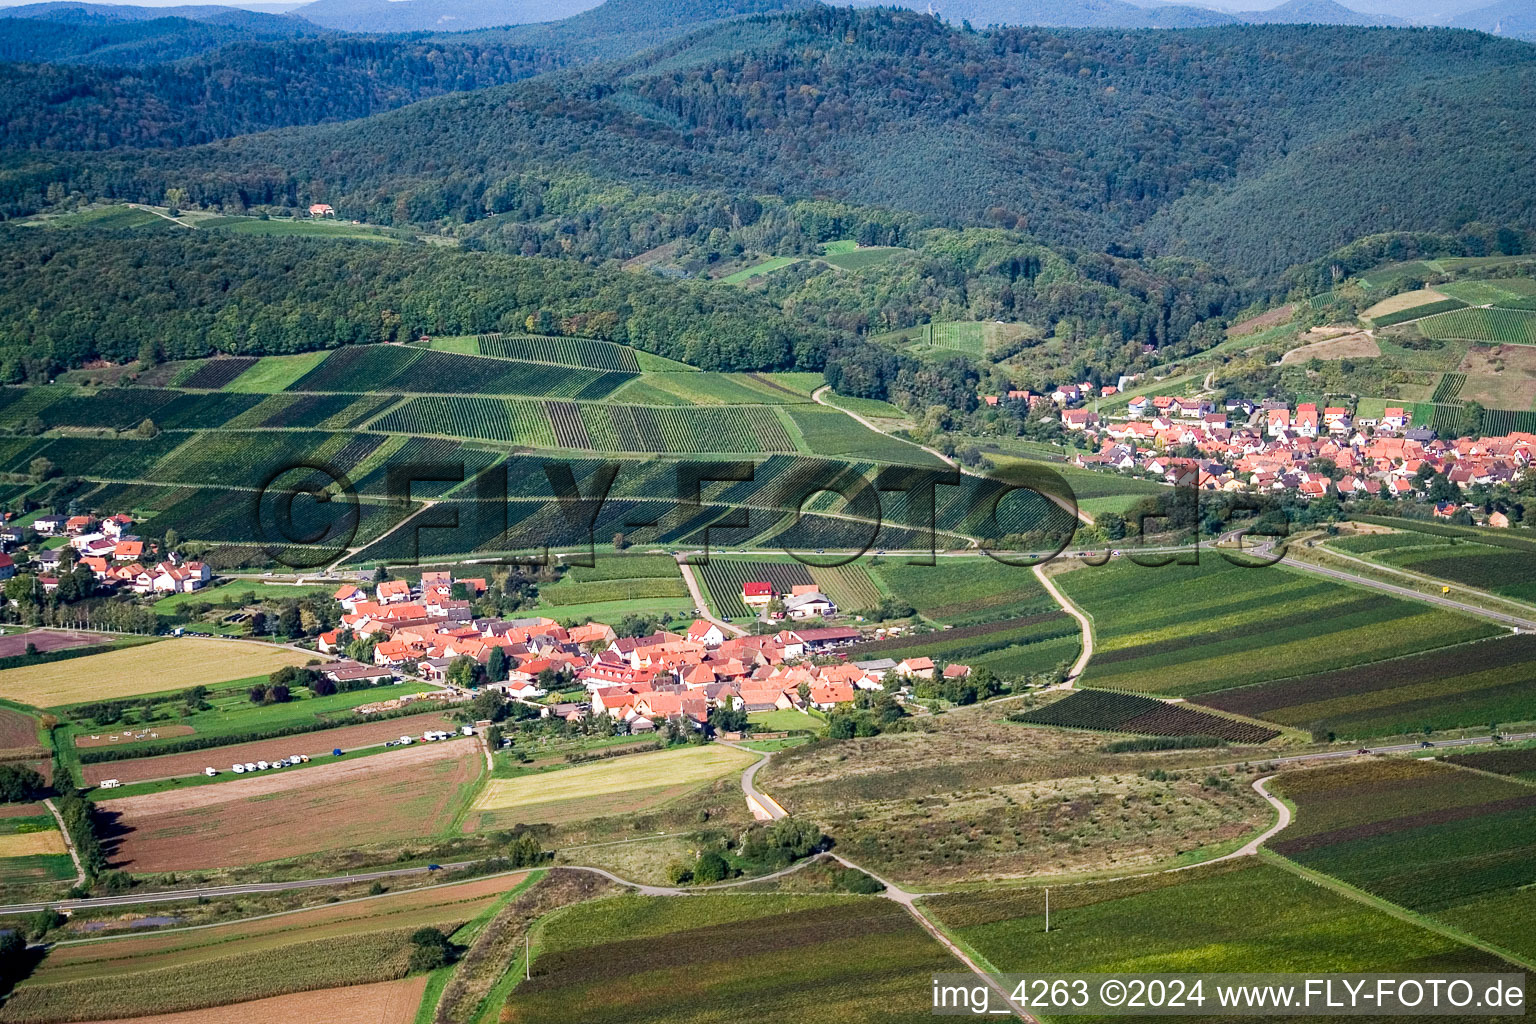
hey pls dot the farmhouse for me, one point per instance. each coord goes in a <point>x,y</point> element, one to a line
<point>757,594</point>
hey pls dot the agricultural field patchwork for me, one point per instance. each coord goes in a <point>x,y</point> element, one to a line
<point>1440,840</point>
<point>1241,916</point>
<point>1517,763</point>
<point>1124,712</point>
<point>1514,326</point>
<point>1193,630</point>
<point>723,580</point>
<point>32,849</point>
<point>817,959</point>
<point>1464,685</point>
<point>353,943</point>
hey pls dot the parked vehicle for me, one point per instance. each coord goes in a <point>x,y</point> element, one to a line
<point>250,766</point>
<point>110,783</point>
<point>238,769</point>
<point>467,730</point>
<point>405,741</point>
<point>210,771</point>
<point>263,765</point>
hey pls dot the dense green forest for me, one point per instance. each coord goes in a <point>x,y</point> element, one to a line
<point>120,43</point>
<point>1195,141</point>
<point>70,297</point>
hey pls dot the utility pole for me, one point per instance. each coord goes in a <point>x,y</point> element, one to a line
<point>1047,908</point>
<point>527,957</point>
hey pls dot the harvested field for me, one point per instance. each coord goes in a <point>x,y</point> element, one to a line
<point>149,668</point>
<point>31,844</point>
<point>385,1002</point>
<point>1499,376</point>
<point>46,640</point>
<point>388,797</point>
<point>21,810</point>
<point>314,744</point>
<point>1404,301</point>
<point>1357,345</point>
<point>616,786</point>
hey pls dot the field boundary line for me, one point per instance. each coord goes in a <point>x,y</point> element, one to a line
<point>285,913</point>
<point>1398,911</point>
<point>69,842</point>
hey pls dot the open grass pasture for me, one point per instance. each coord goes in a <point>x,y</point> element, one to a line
<point>352,943</point>
<point>145,669</point>
<point>1192,630</point>
<point>275,373</point>
<point>613,786</point>
<point>811,959</point>
<point>1435,838</point>
<point>1239,916</point>
<point>412,793</point>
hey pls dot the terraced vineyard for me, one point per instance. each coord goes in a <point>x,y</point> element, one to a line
<point>582,353</point>
<point>516,421</point>
<point>1513,326</point>
<point>1123,712</point>
<point>849,586</point>
<point>362,368</point>
<point>1449,387</point>
<point>213,374</point>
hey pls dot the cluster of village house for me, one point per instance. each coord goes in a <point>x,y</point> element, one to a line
<point>636,681</point>
<point>1271,446</point>
<point>115,556</point>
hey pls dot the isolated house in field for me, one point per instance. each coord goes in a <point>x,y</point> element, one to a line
<point>321,210</point>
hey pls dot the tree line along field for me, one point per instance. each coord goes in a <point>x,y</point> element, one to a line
<point>1196,631</point>
<point>1457,845</point>
<point>352,943</point>
<point>1128,713</point>
<point>817,959</point>
<point>1238,916</point>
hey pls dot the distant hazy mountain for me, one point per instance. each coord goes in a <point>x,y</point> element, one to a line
<point>1317,12</point>
<point>82,13</point>
<point>1061,13</point>
<point>1515,18</point>
<point>1120,14</point>
<point>437,15</point>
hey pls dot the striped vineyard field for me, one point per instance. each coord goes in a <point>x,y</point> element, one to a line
<point>1419,312</point>
<point>848,586</point>
<point>582,353</point>
<point>1449,387</point>
<point>724,579</point>
<point>1513,326</point>
<point>364,368</point>
<point>1122,712</point>
<point>641,428</point>
<point>1497,422</point>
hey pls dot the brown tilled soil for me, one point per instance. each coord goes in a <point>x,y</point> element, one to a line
<point>314,744</point>
<point>384,798</point>
<point>385,1002</point>
<point>1359,345</point>
<point>18,735</point>
<point>46,640</point>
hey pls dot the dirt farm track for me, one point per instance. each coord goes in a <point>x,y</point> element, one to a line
<point>313,744</point>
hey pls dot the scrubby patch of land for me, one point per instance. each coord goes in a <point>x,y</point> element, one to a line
<point>1342,345</point>
<point>817,959</point>
<point>1437,839</point>
<point>411,793</point>
<point>149,668</point>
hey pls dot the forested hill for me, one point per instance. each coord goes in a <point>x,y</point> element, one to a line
<point>1256,147</point>
<point>176,82</point>
<point>67,297</point>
